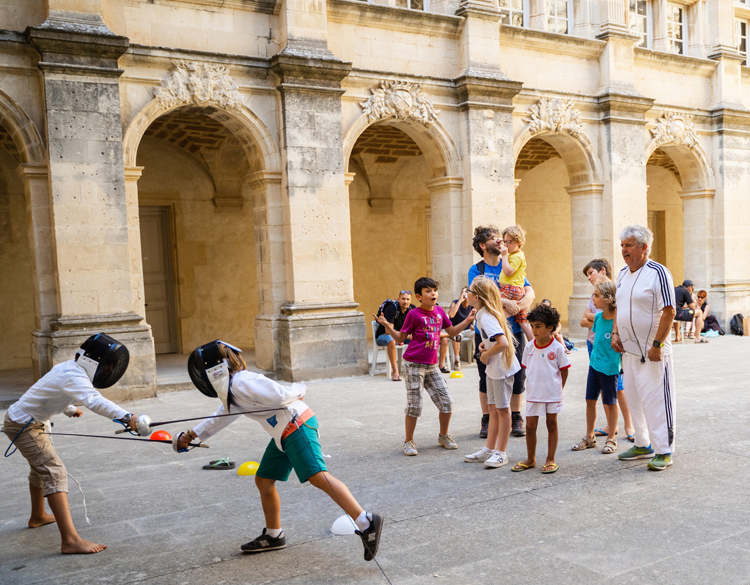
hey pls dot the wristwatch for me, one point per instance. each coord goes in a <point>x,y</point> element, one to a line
<point>126,419</point>
<point>658,344</point>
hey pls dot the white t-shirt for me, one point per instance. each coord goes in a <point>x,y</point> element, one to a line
<point>543,366</point>
<point>488,328</point>
<point>641,296</point>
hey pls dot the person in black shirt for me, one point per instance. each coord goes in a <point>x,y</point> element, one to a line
<point>394,313</point>
<point>686,310</point>
<point>458,311</point>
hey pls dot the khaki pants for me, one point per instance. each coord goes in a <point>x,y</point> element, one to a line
<point>47,470</point>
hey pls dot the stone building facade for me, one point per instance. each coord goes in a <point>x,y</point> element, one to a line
<point>268,171</point>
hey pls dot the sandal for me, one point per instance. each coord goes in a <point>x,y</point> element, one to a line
<point>601,433</point>
<point>396,378</point>
<point>584,444</point>
<point>702,341</point>
<point>223,463</point>
<point>550,468</point>
<point>521,466</point>
<point>610,446</point>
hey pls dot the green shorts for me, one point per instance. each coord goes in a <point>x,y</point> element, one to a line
<point>301,452</point>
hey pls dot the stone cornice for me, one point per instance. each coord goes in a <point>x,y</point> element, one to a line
<point>728,119</point>
<point>484,90</point>
<point>674,63</point>
<point>390,17</point>
<point>538,40</point>
<point>313,70</point>
<point>625,108</point>
<point>262,6</point>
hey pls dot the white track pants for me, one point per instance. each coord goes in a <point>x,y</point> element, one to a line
<point>650,390</point>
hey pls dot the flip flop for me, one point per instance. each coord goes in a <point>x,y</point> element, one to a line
<point>702,341</point>
<point>396,379</point>
<point>631,438</point>
<point>224,463</point>
<point>521,466</point>
<point>548,469</point>
<point>601,433</point>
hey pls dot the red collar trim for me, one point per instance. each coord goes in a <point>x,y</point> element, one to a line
<point>550,343</point>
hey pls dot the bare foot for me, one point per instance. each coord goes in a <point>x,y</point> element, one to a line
<point>81,547</point>
<point>41,521</point>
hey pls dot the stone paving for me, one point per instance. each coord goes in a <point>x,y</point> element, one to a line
<point>597,520</point>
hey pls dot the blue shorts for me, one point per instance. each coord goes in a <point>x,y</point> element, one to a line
<point>385,339</point>
<point>590,347</point>
<point>598,383</point>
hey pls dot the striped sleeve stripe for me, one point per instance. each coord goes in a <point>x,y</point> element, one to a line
<point>667,292</point>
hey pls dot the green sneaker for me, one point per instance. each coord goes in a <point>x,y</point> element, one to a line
<point>660,462</point>
<point>637,453</point>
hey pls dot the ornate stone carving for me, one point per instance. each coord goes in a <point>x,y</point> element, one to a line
<point>399,99</point>
<point>555,115</point>
<point>675,128</point>
<point>202,84</point>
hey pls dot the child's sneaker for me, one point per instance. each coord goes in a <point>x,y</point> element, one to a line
<point>447,441</point>
<point>479,457</point>
<point>497,459</point>
<point>660,462</point>
<point>518,430</point>
<point>264,543</point>
<point>637,453</point>
<point>410,448</point>
<point>585,443</point>
<point>371,536</point>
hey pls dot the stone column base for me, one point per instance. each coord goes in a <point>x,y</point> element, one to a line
<point>50,348</point>
<point>316,341</point>
<point>576,306</point>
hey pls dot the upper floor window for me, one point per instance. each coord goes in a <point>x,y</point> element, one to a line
<point>639,20</point>
<point>676,28</point>
<point>557,16</point>
<point>514,10</point>
<point>414,4</point>
<point>741,38</point>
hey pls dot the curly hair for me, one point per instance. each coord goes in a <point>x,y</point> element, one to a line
<point>546,315</point>
<point>516,233</point>
<point>483,233</point>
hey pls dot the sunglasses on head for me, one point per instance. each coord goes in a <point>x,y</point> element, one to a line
<point>405,292</point>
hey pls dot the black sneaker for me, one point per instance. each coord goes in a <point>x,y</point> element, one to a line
<point>264,543</point>
<point>371,536</point>
<point>485,426</point>
<point>518,430</point>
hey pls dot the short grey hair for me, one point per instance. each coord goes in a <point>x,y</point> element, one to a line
<point>641,234</point>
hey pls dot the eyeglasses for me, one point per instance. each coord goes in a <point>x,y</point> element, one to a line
<point>506,242</point>
<point>700,297</point>
<point>405,292</point>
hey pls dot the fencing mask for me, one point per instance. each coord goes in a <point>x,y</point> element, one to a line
<point>104,359</point>
<point>210,372</point>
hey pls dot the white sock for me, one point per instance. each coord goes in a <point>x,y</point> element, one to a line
<point>273,532</point>
<point>502,453</point>
<point>363,521</point>
<point>486,450</point>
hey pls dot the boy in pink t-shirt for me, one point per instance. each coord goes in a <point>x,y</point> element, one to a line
<point>424,324</point>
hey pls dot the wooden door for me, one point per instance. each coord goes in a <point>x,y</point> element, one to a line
<point>158,282</point>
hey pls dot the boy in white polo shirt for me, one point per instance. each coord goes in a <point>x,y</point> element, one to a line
<point>546,365</point>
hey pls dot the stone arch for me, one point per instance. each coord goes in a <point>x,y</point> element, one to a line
<point>436,144</point>
<point>577,152</point>
<point>248,128</point>
<point>23,131</point>
<point>692,163</point>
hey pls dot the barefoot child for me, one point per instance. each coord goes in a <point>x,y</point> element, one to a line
<point>218,371</point>
<point>499,355</point>
<point>604,370</point>
<point>99,363</point>
<point>514,272</point>
<point>546,368</point>
<point>424,324</point>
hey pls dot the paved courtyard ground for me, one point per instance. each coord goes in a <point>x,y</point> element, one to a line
<point>597,520</point>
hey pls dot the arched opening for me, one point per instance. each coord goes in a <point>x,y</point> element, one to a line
<point>198,241</point>
<point>543,210</point>
<point>18,315</point>
<point>665,213</point>
<point>391,215</point>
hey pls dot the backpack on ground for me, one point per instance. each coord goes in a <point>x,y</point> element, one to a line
<point>712,324</point>
<point>735,325</point>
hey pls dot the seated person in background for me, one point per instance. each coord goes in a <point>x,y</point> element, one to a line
<point>458,311</point>
<point>395,313</point>
<point>702,310</point>
<point>686,310</point>
<point>557,333</point>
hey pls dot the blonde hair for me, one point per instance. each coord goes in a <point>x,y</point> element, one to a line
<point>487,291</point>
<point>236,363</point>
<point>607,291</point>
<point>517,233</point>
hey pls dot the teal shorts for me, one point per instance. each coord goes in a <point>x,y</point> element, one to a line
<point>301,452</point>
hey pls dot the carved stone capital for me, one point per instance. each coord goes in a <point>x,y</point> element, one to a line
<point>399,99</point>
<point>555,115</point>
<point>675,128</point>
<point>200,84</point>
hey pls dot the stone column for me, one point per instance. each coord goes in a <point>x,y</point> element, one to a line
<point>660,40</point>
<point>132,175</point>
<point>697,221</point>
<point>447,234</point>
<point>586,221</point>
<point>485,103</point>
<point>88,201</point>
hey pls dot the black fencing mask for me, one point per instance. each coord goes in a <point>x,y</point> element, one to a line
<point>104,359</point>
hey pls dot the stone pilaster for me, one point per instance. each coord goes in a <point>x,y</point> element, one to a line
<point>448,238</point>
<point>87,196</point>
<point>697,222</point>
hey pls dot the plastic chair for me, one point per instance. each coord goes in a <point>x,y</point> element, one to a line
<point>466,334</point>
<point>376,349</point>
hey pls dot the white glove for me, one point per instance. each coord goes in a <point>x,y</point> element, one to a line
<point>70,410</point>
